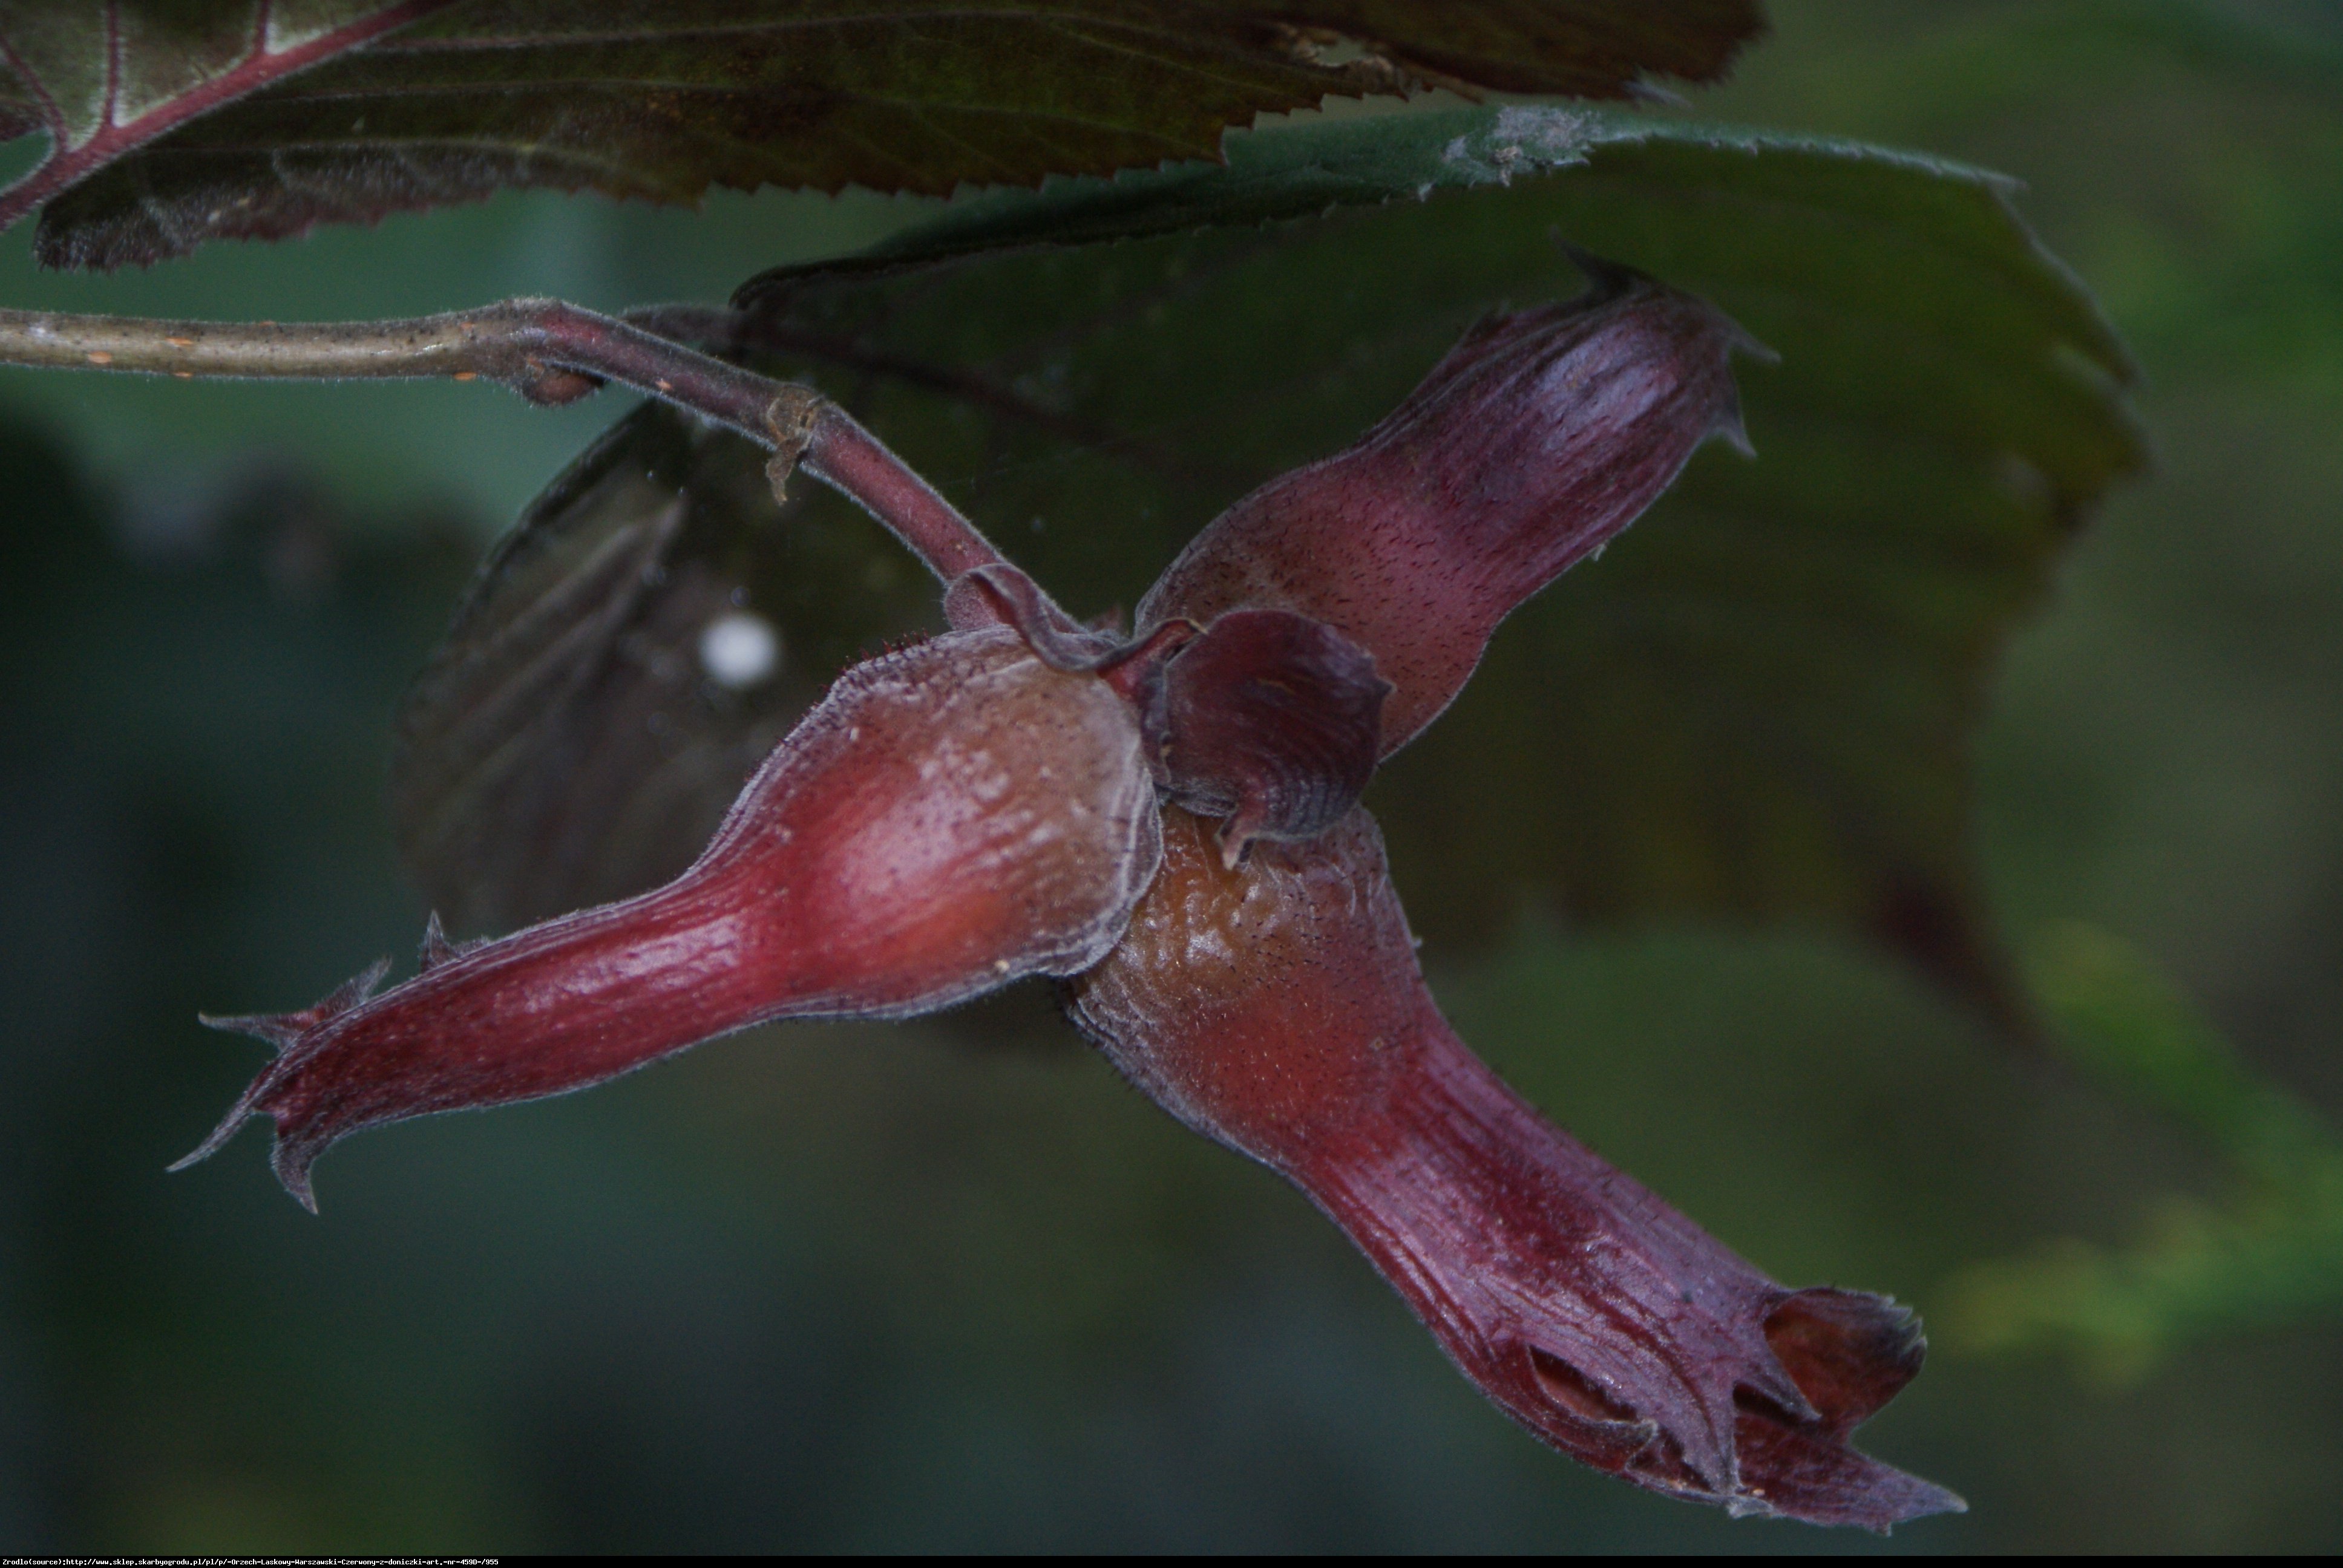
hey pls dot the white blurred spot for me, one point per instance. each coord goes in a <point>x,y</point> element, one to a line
<point>740,650</point>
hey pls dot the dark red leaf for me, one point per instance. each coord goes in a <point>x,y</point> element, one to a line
<point>952,818</point>
<point>662,98</point>
<point>104,81</point>
<point>1277,1007</point>
<point>1539,438</point>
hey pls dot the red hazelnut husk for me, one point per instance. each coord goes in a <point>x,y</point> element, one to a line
<point>1276,1007</point>
<point>952,817</point>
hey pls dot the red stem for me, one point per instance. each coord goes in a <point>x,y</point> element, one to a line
<point>842,454</point>
<point>828,442</point>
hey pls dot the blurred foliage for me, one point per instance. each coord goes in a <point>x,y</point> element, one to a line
<point>836,1287</point>
<point>2272,1255</point>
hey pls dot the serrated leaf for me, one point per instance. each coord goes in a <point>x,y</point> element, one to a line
<point>1756,706</point>
<point>662,98</point>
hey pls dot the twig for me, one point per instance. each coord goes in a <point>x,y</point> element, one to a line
<point>548,352</point>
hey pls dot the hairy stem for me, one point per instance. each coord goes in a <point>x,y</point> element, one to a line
<point>548,352</point>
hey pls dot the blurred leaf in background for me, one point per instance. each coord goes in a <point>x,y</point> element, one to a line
<point>2270,1256</point>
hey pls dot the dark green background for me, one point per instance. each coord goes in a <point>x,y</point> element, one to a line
<point>846,1286</point>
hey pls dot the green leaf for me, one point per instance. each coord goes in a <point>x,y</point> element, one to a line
<point>2121,1019</point>
<point>1755,706</point>
<point>2270,1255</point>
<point>662,98</point>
